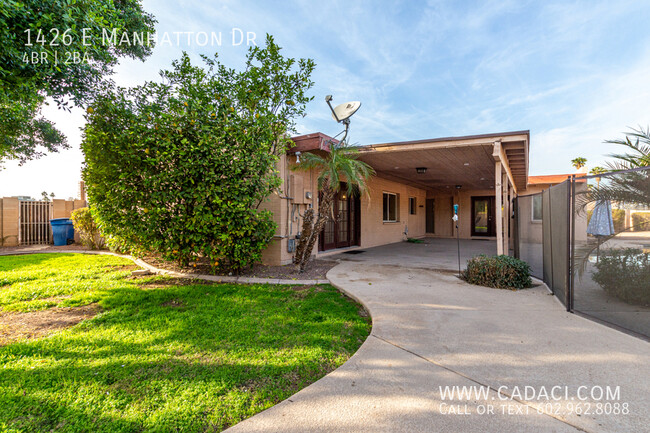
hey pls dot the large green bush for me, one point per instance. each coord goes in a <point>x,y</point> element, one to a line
<point>180,167</point>
<point>502,272</point>
<point>625,274</point>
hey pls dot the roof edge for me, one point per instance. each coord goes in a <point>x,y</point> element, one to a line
<point>458,138</point>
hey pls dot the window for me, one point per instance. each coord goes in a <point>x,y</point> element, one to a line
<point>537,207</point>
<point>391,210</point>
<point>412,205</point>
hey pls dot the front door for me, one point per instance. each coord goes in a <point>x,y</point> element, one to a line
<point>344,230</point>
<point>483,222</point>
<point>430,212</point>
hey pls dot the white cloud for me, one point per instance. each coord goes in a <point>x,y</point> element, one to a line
<point>620,100</point>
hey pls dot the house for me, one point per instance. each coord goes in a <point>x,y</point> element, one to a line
<point>412,195</point>
<point>530,205</point>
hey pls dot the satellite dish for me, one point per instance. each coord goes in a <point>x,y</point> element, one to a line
<point>342,114</point>
<point>345,110</point>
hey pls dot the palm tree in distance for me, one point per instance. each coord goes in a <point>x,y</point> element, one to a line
<point>579,162</point>
<point>597,170</point>
<point>339,164</point>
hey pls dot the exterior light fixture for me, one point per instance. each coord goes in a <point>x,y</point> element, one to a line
<point>459,186</point>
<point>421,170</point>
<point>467,163</point>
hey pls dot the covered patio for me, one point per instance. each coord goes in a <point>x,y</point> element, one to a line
<point>432,254</point>
<point>480,173</point>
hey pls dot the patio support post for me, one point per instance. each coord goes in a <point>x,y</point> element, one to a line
<point>506,214</point>
<point>498,193</point>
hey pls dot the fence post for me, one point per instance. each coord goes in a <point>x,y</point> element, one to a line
<point>569,234</point>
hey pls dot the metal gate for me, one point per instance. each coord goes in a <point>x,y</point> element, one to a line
<point>34,222</point>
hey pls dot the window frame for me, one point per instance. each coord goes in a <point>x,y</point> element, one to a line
<point>413,205</point>
<point>386,212</point>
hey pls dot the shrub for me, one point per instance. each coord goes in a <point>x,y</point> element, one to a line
<point>84,224</point>
<point>641,221</point>
<point>502,272</point>
<point>625,274</point>
<point>180,168</point>
<point>618,218</point>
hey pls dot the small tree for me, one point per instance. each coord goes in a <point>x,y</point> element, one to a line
<point>57,49</point>
<point>85,225</point>
<point>180,167</point>
<point>579,162</point>
<point>340,163</point>
<point>47,197</point>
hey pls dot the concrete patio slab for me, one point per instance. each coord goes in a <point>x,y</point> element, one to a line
<point>433,253</point>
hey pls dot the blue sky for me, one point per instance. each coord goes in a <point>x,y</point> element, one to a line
<point>573,73</point>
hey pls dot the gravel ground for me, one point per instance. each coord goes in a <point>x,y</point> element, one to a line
<point>316,269</point>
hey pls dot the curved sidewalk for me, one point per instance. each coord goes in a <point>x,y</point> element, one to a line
<point>431,330</point>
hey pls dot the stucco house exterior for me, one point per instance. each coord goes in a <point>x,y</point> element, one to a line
<point>530,209</point>
<point>412,195</point>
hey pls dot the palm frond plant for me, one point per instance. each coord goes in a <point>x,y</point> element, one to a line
<point>625,187</point>
<point>333,167</point>
<point>627,184</point>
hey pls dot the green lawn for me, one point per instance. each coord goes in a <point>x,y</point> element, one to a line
<point>163,355</point>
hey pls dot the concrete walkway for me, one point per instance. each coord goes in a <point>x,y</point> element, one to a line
<point>431,330</point>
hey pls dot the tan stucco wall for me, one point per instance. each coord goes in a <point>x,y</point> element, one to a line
<point>287,205</point>
<point>531,231</point>
<point>9,221</point>
<point>292,202</point>
<point>9,210</point>
<point>374,231</point>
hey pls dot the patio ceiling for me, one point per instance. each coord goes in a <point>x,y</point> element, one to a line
<point>466,161</point>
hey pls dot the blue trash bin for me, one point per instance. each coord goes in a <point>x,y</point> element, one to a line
<point>62,230</point>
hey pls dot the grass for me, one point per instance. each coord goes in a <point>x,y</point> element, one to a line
<point>39,281</point>
<point>163,355</point>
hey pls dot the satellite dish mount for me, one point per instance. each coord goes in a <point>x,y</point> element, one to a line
<point>342,113</point>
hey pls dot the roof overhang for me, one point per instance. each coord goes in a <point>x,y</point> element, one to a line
<point>467,161</point>
<point>311,142</point>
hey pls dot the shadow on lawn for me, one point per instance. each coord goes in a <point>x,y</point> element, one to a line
<point>192,358</point>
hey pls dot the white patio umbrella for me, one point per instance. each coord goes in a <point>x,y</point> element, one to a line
<point>601,223</point>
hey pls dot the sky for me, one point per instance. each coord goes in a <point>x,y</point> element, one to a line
<point>574,73</point>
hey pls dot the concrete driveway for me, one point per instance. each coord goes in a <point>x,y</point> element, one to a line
<point>431,331</point>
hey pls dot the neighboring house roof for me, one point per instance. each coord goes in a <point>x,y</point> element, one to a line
<point>551,179</point>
